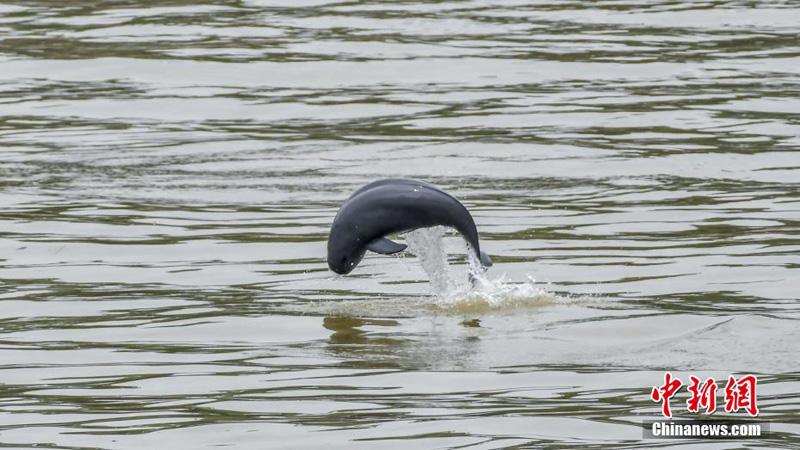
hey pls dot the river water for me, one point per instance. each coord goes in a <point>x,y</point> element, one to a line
<point>169,172</point>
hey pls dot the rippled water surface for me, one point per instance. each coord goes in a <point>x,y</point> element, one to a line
<point>169,171</point>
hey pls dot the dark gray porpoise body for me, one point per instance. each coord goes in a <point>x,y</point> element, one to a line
<point>390,206</point>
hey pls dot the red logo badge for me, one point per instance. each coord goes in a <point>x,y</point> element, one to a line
<point>739,394</point>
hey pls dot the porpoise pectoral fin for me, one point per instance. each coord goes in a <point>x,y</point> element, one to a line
<point>385,246</point>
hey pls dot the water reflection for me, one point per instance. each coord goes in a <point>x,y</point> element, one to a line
<point>349,331</point>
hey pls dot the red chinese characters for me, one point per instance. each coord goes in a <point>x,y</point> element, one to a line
<point>705,396</point>
<point>741,394</point>
<point>666,392</point>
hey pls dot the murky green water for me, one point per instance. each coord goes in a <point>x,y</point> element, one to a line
<point>169,171</point>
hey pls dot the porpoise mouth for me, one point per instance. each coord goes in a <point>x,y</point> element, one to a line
<point>341,270</point>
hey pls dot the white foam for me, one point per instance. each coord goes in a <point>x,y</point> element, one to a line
<point>484,294</point>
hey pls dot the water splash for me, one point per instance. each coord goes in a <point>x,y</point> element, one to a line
<point>428,245</point>
<point>483,294</point>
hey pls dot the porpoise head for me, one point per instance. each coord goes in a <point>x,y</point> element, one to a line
<point>345,250</point>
